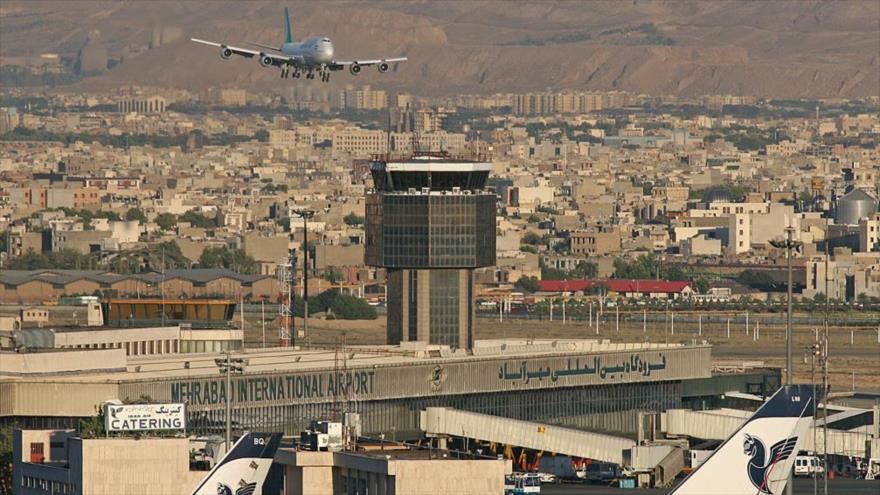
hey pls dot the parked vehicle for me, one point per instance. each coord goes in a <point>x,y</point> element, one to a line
<point>807,465</point>
<point>602,472</point>
<point>521,484</point>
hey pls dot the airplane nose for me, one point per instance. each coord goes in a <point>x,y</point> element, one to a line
<point>327,52</point>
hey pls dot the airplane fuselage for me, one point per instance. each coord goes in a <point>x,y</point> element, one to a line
<point>312,51</point>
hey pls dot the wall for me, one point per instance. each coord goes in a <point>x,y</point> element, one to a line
<point>162,466</point>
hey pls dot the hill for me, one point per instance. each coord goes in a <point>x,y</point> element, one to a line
<point>778,49</point>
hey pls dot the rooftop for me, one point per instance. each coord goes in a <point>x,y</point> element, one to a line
<point>285,360</point>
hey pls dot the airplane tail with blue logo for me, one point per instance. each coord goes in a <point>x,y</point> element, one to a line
<point>243,469</point>
<point>758,457</point>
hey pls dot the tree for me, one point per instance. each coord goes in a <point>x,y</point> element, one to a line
<point>642,267</point>
<point>756,280</point>
<point>584,269</point>
<point>213,257</point>
<point>234,259</point>
<point>527,284</point>
<point>353,219</point>
<point>135,214</point>
<point>701,285</point>
<point>342,306</point>
<point>197,220</point>
<point>66,259</point>
<point>532,239</point>
<point>332,275</point>
<point>166,221</point>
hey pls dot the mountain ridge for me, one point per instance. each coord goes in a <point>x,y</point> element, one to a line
<point>765,49</point>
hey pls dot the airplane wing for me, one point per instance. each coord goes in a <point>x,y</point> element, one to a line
<point>267,47</point>
<point>341,64</point>
<point>266,59</point>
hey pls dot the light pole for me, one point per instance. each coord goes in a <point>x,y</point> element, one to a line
<point>305,215</point>
<point>228,366</point>
<point>815,353</point>
<point>789,244</point>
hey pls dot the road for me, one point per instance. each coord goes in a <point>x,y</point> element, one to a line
<point>802,486</point>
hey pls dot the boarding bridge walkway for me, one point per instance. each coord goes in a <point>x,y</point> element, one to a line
<point>445,421</point>
<point>718,424</point>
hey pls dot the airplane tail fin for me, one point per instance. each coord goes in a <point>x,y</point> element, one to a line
<point>243,469</point>
<point>757,458</point>
<point>288,33</point>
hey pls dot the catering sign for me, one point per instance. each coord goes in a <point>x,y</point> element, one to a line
<point>143,417</point>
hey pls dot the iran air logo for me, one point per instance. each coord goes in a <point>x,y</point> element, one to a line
<point>247,489</point>
<point>760,464</point>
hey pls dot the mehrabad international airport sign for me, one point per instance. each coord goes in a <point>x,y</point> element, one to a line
<point>144,417</point>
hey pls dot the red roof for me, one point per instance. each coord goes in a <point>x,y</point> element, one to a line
<point>615,285</point>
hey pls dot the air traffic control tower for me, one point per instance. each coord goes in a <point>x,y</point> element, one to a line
<point>430,222</point>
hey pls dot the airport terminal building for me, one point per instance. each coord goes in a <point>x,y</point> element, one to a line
<point>592,384</point>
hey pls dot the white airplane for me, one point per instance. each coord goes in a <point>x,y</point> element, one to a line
<point>243,469</point>
<point>312,56</point>
<point>758,457</point>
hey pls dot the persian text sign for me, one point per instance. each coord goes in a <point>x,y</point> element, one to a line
<point>142,417</point>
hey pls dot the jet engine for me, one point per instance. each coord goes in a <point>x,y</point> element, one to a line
<point>355,69</point>
<point>265,60</point>
<point>225,53</point>
<point>382,66</point>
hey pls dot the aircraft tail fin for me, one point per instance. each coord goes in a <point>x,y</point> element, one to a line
<point>757,458</point>
<point>288,33</point>
<point>243,469</point>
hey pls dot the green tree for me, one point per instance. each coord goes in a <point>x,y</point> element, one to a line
<point>332,275</point>
<point>166,221</point>
<point>234,259</point>
<point>197,220</point>
<point>757,280</point>
<point>532,239</point>
<point>527,284</point>
<point>66,259</point>
<point>353,219</point>
<point>701,285</point>
<point>213,257</point>
<point>643,267</point>
<point>584,269</point>
<point>135,214</point>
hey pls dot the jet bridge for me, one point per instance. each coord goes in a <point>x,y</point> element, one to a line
<point>718,424</point>
<point>444,421</point>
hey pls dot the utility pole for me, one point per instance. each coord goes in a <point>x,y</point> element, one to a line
<point>789,244</point>
<point>228,366</point>
<point>263,320</point>
<point>305,214</point>
<point>825,385</point>
<point>815,352</point>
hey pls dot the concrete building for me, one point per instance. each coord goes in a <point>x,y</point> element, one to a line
<point>430,223</point>
<point>700,245</point>
<point>284,389</point>
<point>61,462</point>
<point>869,233</point>
<point>37,286</point>
<point>365,98</point>
<point>595,243</point>
<point>143,341</point>
<point>388,472</point>
<point>150,105</point>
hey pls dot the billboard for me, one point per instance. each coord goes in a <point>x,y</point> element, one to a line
<point>143,417</point>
